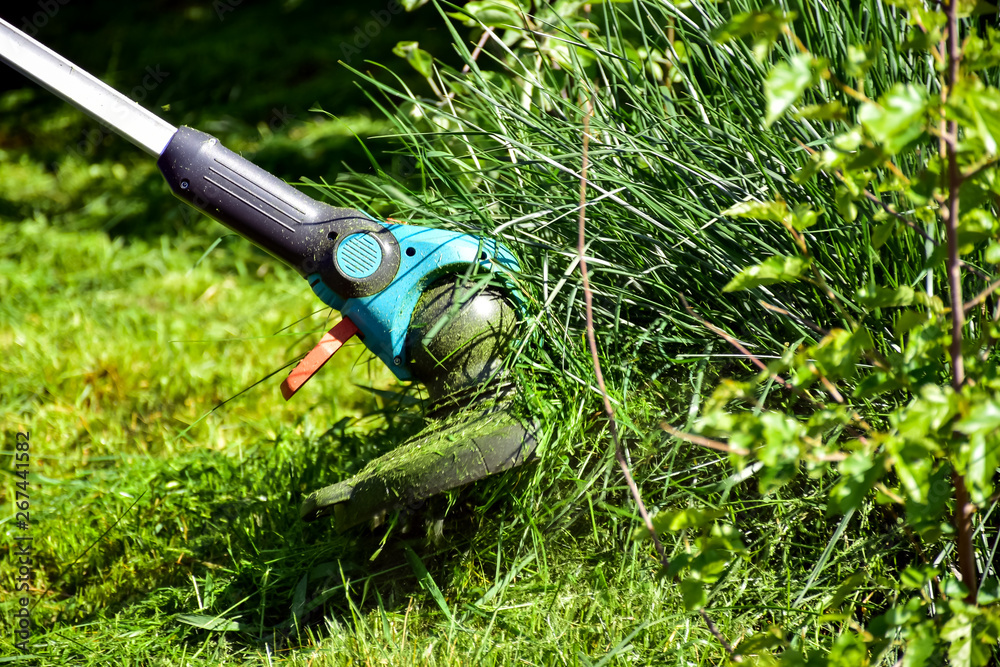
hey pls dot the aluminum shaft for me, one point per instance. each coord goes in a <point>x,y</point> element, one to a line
<point>87,93</point>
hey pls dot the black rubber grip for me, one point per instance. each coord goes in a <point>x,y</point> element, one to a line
<point>292,226</point>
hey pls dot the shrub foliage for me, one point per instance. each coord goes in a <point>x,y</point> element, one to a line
<point>802,194</point>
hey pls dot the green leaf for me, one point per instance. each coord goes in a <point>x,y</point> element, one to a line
<point>693,594</point>
<point>213,623</point>
<point>882,233</point>
<point>928,413</point>
<point>711,562</point>
<point>978,53</point>
<point>803,217</point>
<point>979,456</point>
<point>848,588</point>
<point>914,462</point>
<point>921,645</point>
<point>848,650</point>
<point>993,253</point>
<point>677,520</point>
<point>757,210</point>
<point>725,536</point>
<point>954,588</point>
<point>894,617</point>
<point>677,564</point>
<point>764,26</point>
<point>977,109</point>
<point>909,319</point>
<point>989,592</point>
<point>836,356</point>
<point>773,638</point>
<point>777,269</point>
<point>860,59</point>
<point>977,460</point>
<point>917,576</point>
<point>568,55</point>
<point>983,418</point>
<point>898,119</point>
<point>876,383</point>
<point>780,450</point>
<point>785,84</point>
<point>925,516</point>
<point>975,226</point>
<point>493,13</point>
<point>858,474</point>
<point>884,297</point>
<point>828,111</point>
<point>969,638</point>
<point>845,204</point>
<point>419,59</point>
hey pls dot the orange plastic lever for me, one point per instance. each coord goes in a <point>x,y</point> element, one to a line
<point>332,341</point>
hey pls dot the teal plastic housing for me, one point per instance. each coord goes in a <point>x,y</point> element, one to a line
<point>425,255</point>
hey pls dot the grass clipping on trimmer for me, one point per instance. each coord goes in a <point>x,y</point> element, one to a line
<point>462,448</point>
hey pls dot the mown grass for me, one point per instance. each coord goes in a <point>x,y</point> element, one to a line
<point>169,534</point>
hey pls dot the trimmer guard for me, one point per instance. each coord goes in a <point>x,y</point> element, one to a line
<point>462,448</point>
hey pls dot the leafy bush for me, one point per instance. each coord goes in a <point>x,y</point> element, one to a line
<point>815,181</point>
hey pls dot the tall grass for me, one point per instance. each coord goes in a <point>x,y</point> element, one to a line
<point>537,565</point>
<point>677,137</point>
<point>499,151</point>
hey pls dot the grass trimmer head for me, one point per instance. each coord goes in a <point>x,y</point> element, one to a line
<point>435,306</point>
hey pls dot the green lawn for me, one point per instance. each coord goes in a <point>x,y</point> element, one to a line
<point>166,471</point>
<point>142,345</point>
<point>151,513</point>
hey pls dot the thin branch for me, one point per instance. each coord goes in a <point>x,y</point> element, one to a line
<point>857,418</point>
<point>876,200</point>
<point>608,409</point>
<point>718,636</point>
<point>781,311</point>
<point>592,341</point>
<point>912,225</point>
<point>949,144</point>
<point>732,341</point>
<point>906,221</point>
<point>704,442</point>
<point>982,296</point>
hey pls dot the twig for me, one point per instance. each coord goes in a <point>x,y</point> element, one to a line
<point>781,311</point>
<point>718,636</point>
<point>704,442</point>
<point>732,341</point>
<point>592,341</point>
<point>487,33</point>
<point>857,418</point>
<point>982,296</point>
<point>608,409</point>
<point>906,221</point>
<point>949,141</point>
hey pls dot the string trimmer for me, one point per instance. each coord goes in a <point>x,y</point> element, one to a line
<point>436,306</point>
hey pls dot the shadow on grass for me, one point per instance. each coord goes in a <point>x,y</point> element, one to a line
<point>235,559</point>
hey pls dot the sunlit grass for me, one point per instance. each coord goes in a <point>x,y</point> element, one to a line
<point>117,342</point>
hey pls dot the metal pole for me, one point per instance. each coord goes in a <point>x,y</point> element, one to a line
<point>87,93</point>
